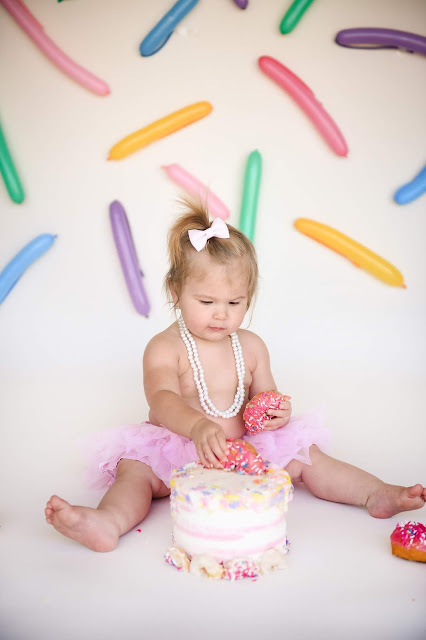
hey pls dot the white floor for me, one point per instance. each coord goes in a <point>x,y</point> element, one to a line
<point>71,342</point>
<point>341,580</point>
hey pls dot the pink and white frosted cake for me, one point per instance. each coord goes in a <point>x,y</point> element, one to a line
<point>226,524</point>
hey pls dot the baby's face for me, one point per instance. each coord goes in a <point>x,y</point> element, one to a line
<point>214,298</point>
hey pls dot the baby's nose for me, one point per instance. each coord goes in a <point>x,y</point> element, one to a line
<point>220,312</point>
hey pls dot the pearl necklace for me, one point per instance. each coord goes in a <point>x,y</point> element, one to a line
<point>198,373</point>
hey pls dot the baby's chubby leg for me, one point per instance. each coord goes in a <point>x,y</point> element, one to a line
<point>337,481</point>
<point>124,505</point>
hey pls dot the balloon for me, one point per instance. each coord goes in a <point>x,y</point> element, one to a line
<point>215,206</point>
<point>359,255</point>
<point>412,190</point>
<point>307,101</point>
<point>9,173</point>
<point>241,3</point>
<point>22,15</point>
<point>159,129</point>
<point>128,258</point>
<point>252,175</point>
<point>16,267</point>
<point>373,38</point>
<point>158,36</point>
<point>293,15</point>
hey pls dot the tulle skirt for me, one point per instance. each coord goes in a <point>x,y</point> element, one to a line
<point>164,450</point>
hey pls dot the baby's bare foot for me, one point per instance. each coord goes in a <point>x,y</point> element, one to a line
<point>92,527</point>
<point>387,500</point>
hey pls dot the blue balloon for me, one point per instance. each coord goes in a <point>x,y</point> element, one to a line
<point>158,36</point>
<point>16,267</point>
<point>412,190</point>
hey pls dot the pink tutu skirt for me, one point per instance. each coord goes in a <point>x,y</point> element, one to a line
<point>164,450</point>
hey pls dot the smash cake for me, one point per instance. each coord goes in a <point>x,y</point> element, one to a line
<point>228,524</point>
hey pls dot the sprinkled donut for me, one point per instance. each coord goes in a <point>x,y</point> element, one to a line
<point>243,457</point>
<point>177,558</point>
<point>239,568</point>
<point>408,541</point>
<point>256,409</point>
<point>205,565</point>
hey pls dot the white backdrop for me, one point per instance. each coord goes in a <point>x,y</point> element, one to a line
<point>71,343</point>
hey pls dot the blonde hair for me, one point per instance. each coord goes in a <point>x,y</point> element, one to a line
<point>223,251</point>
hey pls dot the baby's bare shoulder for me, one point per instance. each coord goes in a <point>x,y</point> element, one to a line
<point>250,340</point>
<point>164,344</point>
<point>254,349</point>
<point>161,364</point>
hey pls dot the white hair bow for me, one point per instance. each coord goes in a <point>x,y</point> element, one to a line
<point>217,229</point>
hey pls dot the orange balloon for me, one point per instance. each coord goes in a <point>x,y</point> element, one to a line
<point>352,250</point>
<point>159,129</point>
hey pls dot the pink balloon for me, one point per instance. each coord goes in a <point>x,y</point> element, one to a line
<point>307,101</point>
<point>216,207</point>
<point>23,16</point>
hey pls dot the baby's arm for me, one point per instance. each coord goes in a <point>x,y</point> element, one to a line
<point>162,390</point>
<point>262,380</point>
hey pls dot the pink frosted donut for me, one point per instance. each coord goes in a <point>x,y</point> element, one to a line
<point>408,541</point>
<point>256,409</point>
<point>243,457</point>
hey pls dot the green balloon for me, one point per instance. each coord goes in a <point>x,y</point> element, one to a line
<point>293,15</point>
<point>252,178</point>
<point>8,171</point>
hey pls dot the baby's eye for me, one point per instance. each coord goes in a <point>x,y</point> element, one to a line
<point>234,303</point>
<point>205,301</point>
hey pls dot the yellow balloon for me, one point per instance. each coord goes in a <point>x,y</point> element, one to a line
<point>352,250</point>
<point>159,129</point>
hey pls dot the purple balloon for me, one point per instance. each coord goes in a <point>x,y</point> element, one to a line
<point>241,3</point>
<point>368,37</point>
<point>128,258</point>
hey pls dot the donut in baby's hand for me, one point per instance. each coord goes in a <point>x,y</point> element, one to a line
<point>243,457</point>
<point>408,541</point>
<point>256,409</point>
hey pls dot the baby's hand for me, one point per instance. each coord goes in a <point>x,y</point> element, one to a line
<point>210,441</point>
<point>281,417</point>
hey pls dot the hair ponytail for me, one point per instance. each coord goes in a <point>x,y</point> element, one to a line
<point>221,250</point>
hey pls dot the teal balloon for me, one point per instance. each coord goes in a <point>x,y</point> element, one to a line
<point>252,177</point>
